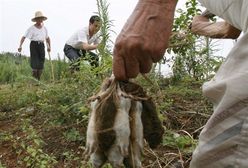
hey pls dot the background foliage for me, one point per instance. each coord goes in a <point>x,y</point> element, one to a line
<point>43,123</point>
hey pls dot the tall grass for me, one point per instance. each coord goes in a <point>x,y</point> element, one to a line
<point>15,67</point>
<point>104,49</point>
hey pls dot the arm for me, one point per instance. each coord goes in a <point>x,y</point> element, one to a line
<point>144,38</point>
<point>87,46</point>
<point>202,26</point>
<point>48,42</point>
<point>21,42</point>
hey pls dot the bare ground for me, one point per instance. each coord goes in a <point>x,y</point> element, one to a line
<point>186,116</point>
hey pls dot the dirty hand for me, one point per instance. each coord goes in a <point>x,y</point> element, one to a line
<point>19,49</point>
<point>144,38</point>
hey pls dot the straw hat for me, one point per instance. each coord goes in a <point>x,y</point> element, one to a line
<point>39,14</point>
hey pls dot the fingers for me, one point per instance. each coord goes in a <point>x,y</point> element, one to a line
<point>129,66</point>
<point>145,63</point>
<point>132,66</point>
<point>119,68</point>
<point>125,66</point>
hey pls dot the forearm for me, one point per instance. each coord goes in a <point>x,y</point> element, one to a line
<point>48,42</point>
<point>89,47</point>
<point>21,41</point>
<point>202,26</point>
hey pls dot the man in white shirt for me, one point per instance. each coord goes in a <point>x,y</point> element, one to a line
<point>83,41</point>
<point>37,34</point>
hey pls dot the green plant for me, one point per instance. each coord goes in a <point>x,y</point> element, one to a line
<point>192,55</point>
<point>32,147</point>
<point>11,71</point>
<point>69,156</point>
<point>104,49</point>
<point>1,165</point>
<point>73,135</point>
<point>184,143</point>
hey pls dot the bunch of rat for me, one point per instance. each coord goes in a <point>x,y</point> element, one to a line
<point>122,117</point>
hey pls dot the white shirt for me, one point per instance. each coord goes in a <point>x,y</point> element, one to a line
<point>36,34</point>
<point>228,92</point>
<point>82,36</point>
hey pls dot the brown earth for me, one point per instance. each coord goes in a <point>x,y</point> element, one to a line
<point>184,117</point>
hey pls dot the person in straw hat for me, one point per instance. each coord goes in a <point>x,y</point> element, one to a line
<point>37,34</point>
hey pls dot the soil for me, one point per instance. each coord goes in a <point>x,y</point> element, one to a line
<point>181,118</point>
<point>55,144</point>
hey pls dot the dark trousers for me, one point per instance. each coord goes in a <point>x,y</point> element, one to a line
<point>37,58</point>
<point>74,55</point>
<point>37,55</point>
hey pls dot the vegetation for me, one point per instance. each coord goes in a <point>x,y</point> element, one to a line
<point>43,123</point>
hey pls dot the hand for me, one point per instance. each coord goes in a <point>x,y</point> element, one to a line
<point>19,49</point>
<point>144,38</point>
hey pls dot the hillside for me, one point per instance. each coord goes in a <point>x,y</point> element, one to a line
<point>43,124</point>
